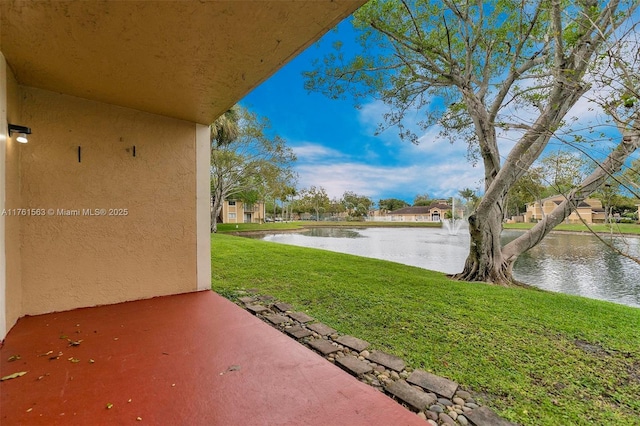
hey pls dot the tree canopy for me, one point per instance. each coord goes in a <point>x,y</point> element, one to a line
<point>356,205</point>
<point>492,72</point>
<point>245,162</point>
<point>314,199</point>
<point>391,204</point>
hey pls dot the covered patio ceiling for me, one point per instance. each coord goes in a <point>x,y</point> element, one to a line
<point>190,60</point>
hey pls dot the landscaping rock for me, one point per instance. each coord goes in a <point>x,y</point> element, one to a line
<point>379,368</point>
<point>321,329</point>
<point>353,343</point>
<point>276,319</point>
<point>246,299</point>
<point>282,307</point>
<point>436,409</point>
<point>431,414</point>
<point>257,309</point>
<point>446,420</point>
<point>463,394</point>
<point>483,416</point>
<point>462,420</point>
<point>445,402</point>
<point>353,365</point>
<point>388,360</point>
<point>265,298</point>
<point>300,317</point>
<point>298,332</point>
<point>458,401</point>
<point>433,383</point>
<point>323,346</point>
<point>413,397</point>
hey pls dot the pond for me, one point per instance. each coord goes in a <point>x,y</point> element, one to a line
<point>569,263</point>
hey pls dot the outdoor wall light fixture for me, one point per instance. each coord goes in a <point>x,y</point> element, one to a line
<point>22,132</point>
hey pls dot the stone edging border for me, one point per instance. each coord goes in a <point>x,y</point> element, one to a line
<point>437,400</point>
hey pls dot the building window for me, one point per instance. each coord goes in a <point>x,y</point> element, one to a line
<point>232,203</point>
<point>232,215</point>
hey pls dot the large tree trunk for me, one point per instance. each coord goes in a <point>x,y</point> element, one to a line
<point>490,262</point>
<point>215,212</point>
<point>485,261</point>
<point>216,208</point>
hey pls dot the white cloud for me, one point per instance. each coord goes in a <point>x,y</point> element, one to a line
<point>360,178</point>
<point>370,115</point>
<point>438,180</point>
<point>309,151</point>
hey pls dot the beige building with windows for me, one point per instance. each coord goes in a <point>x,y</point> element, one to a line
<point>109,199</point>
<point>235,211</point>
<point>435,212</point>
<point>590,210</point>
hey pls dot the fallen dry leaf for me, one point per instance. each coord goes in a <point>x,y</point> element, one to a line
<point>109,405</point>
<point>13,376</point>
<point>74,343</point>
<point>232,368</point>
<point>14,358</point>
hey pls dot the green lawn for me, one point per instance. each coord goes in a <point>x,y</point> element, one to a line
<point>279,226</point>
<point>616,228</point>
<point>537,358</point>
<point>623,228</point>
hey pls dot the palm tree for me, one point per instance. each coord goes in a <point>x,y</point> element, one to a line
<point>223,131</point>
<point>226,128</point>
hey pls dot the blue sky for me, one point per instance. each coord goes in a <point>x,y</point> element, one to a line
<point>337,148</point>
<point>335,142</point>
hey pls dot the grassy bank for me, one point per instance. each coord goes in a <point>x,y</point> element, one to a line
<point>284,226</point>
<point>615,228</point>
<point>537,358</point>
<point>280,226</point>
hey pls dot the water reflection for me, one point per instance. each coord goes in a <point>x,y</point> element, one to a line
<point>581,264</point>
<point>331,233</point>
<point>568,263</point>
<point>427,248</point>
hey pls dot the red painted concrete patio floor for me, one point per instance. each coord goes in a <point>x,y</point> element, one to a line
<point>191,359</point>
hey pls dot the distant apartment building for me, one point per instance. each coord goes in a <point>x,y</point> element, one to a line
<point>235,211</point>
<point>435,212</point>
<point>590,210</point>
